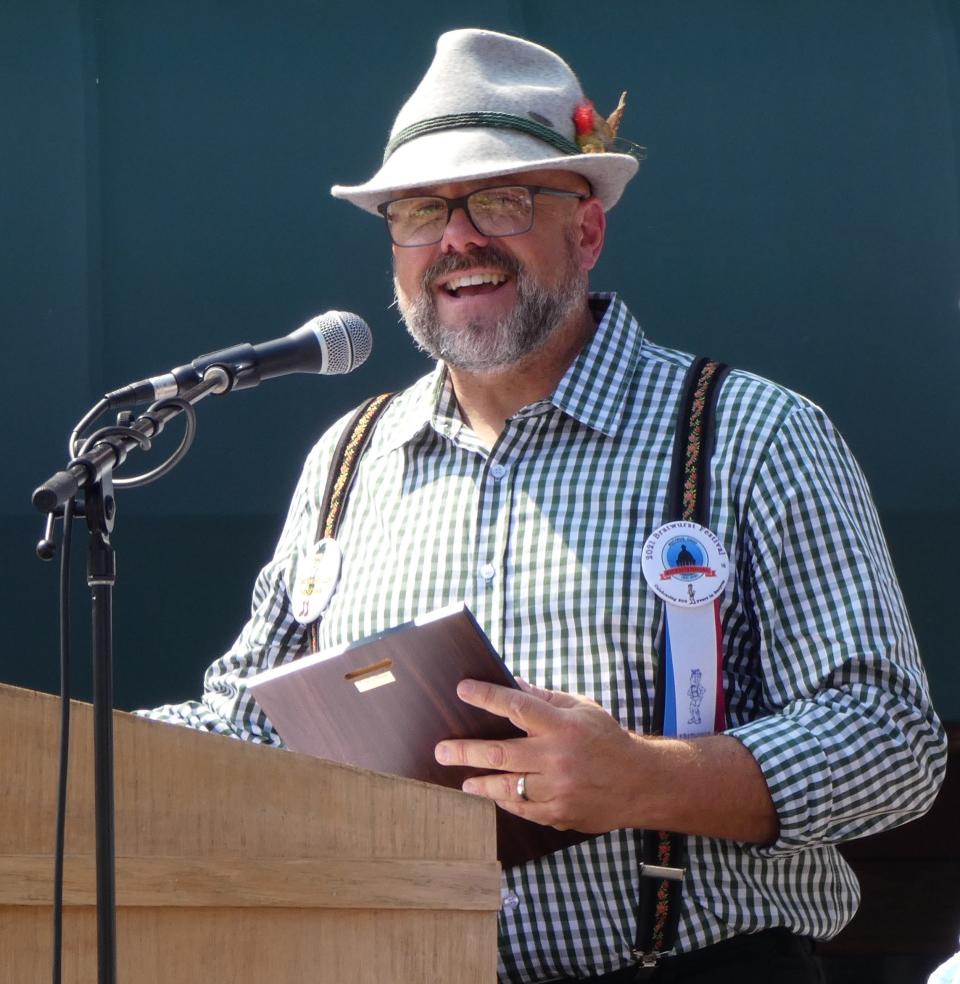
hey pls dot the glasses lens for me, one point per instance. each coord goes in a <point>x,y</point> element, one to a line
<point>501,211</point>
<point>416,221</point>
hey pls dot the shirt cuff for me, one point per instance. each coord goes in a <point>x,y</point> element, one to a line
<point>798,777</point>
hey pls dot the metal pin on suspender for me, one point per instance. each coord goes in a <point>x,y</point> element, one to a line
<point>662,871</point>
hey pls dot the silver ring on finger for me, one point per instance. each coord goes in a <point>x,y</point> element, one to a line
<point>522,788</point>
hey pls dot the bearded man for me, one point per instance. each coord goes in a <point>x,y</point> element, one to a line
<point>524,476</point>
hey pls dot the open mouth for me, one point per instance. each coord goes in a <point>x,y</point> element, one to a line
<point>471,284</point>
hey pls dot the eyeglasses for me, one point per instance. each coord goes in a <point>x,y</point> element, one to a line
<point>495,212</point>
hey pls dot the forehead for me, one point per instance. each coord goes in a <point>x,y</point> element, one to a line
<point>566,180</point>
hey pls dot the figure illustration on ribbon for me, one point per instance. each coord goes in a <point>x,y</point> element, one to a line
<point>696,693</point>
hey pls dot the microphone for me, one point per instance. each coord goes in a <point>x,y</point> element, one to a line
<point>329,344</point>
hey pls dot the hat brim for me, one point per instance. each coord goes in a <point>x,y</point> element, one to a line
<point>450,156</point>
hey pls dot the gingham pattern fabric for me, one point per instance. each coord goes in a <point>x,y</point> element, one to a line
<point>542,538</point>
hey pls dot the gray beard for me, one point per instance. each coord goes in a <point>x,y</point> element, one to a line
<point>474,348</point>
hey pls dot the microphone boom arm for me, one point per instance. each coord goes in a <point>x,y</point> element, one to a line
<point>111,451</point>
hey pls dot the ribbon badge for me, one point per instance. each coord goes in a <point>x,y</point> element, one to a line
<point>685,564</point>
<point>315,581</point>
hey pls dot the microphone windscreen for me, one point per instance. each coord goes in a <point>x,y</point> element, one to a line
<point>345,338</point>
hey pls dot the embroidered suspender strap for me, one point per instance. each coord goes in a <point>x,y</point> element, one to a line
<point>343,472</point>
<point>688,499</point>
<point>693,446</point>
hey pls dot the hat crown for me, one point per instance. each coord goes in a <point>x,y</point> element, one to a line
<point>482,71</point>
<point>489,105</point>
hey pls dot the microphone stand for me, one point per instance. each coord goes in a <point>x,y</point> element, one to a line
<point>92,473</point>
<point>100,512</point>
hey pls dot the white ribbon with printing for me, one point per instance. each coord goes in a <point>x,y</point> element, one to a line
<point>685,565</point>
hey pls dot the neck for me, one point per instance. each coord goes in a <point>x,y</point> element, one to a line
<point>488,400</point>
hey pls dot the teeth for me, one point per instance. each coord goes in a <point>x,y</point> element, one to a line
<point>474,280</point>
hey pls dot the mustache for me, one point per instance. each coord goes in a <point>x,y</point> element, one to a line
<point>485,256</point>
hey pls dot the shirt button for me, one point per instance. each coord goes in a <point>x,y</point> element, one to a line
<point>498,471</point>
<point>487,572</point>
<point>511,901</point>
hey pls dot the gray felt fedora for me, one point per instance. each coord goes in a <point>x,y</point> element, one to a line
<point>490,104</point>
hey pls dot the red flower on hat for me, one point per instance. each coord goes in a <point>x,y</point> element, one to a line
<point>594,133</point>
<point>583,117</point>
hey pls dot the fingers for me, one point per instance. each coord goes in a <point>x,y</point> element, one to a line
<point>569,759</point>
<point>505,790</point>
<point>541,713</point>
<point>527,710</point>
<point>511,755</point>
<point>504,787</point>
<point>555,697</point>
<point>531,709</point>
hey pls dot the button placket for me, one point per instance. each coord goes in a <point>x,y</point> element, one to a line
<point>493,536</point>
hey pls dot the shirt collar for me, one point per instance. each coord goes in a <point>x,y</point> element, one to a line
<point>592,390</point>
<point>429,402</point>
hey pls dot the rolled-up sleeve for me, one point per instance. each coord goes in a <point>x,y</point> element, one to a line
<point>850,744</point>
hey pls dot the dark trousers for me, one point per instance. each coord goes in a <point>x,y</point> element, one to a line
<point>774,955</point>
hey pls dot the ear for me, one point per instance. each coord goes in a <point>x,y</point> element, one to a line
<point>591,228</point>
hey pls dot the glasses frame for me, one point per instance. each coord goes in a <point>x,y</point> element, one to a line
<point>462,202</point>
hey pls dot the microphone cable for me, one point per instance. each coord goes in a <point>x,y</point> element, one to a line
<point>58,851</point>
<point>80,445</point>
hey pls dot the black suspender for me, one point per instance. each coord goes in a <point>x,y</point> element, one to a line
<point>688,499</point>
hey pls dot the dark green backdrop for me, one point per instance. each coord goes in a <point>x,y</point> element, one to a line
<point>165,169</point>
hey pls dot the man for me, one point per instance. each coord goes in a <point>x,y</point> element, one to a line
<point>524,476</point>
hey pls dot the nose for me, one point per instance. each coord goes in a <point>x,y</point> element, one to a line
<point>461,234</point>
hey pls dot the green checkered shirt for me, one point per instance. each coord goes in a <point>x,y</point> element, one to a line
<point>542,537</point>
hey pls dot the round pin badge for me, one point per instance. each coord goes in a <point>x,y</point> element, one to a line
<point>315,581</point>
<point>685,564</point>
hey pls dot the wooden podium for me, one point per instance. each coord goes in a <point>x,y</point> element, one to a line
<point>240,862</point>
